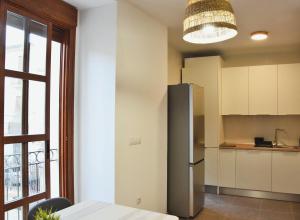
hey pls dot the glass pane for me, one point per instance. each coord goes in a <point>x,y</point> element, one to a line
<point>36,107</point>
<point>54,118</point>
<point>13,106</point>
<point>36,167</point>
<point>38,45</point>
<point>12,172</point>
<point>14,214</point>
<point>14,42</point>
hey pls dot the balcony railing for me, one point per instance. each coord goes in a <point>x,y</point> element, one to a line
<point>13,177</point>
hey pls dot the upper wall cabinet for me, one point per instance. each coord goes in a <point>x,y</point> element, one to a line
<point>206,72</point>
<point>235,91</point>
<point>289,89</point>
<point>263,90</point>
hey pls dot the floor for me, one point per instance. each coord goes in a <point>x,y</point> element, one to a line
<point>242,208</point>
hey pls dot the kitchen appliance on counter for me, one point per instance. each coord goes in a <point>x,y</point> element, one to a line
<point>185,150</point>
<point>261,142</point>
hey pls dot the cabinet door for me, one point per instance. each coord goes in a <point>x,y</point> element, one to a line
<point>235,91</point>
<point>206,76</point>
<point>285,172</point>
<point>211,166</point>
<point>289,89</point>
<point>253,170</point>
<point>227,168</point>
<point>263,90</point>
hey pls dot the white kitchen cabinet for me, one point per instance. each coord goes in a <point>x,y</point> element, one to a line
<point>263,90</point>
<point>285,172</point>
<point>227,165</point>
<point>235,91</point>
<point>253,170</point>
<point>211,166</point>
<point>206,72</point>
<point>289,89</point>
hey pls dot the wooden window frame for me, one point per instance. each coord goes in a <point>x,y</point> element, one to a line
<point>64,16</point>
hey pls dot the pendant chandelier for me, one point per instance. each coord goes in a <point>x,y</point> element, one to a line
<point>209,21</point>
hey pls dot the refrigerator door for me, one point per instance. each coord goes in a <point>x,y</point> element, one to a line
<point>179,149</point>
<point>196,188</point>
<point>197,134</point>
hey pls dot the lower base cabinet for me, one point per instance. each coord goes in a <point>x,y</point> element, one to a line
<point>211,166</point>
<point>253,170</point>
<point>227,168</point>
<point>286,172</point>
<point>270,171</point>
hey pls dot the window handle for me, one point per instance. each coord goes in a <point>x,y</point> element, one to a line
<point>47,150</point>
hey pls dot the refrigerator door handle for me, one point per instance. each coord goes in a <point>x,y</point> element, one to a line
<point>194,164</point>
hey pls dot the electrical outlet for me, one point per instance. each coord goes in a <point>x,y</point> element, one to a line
<point>138,201</point>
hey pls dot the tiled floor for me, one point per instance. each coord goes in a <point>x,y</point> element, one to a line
<point>242,208</point>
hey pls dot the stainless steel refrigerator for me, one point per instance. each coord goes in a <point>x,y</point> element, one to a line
<point>185,150</point>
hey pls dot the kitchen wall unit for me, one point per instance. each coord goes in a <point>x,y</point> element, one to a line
<point>247,90</point>
<point>285,172</point>
<point>289,89</point>
<point>263,90</point>
<point>227,168</point>
<point>235,91</point>
<point>206,72</point>
<point>253,170</point>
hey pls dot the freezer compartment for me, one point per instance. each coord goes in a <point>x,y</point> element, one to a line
<point>196,202</point>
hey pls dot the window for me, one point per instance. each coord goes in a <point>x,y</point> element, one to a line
<point>25,161</point>
<point>36,91</point>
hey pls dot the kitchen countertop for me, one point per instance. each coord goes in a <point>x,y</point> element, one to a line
<point>252,147</point>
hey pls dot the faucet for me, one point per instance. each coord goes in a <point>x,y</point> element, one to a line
<point>276,136</point>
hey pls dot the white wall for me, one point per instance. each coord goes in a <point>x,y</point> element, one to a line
<point>95,104</point>
<point>243,129</point>
<point>174,66</point>
<point>141,110</point>
<point>121,93</point>
<point>269,58</point>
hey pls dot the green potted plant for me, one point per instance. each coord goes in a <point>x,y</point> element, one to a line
<point>45,215</point>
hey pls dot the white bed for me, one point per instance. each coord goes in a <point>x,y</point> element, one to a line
<point>92,210</point>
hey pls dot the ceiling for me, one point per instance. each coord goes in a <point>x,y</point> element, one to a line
<point>84,4</point>
<point>280,18</point>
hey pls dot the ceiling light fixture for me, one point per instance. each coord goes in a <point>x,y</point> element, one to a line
<point>209,21</point>
<point>259,35</point>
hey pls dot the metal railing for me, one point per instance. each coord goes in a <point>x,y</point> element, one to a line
<point>13,176</point>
